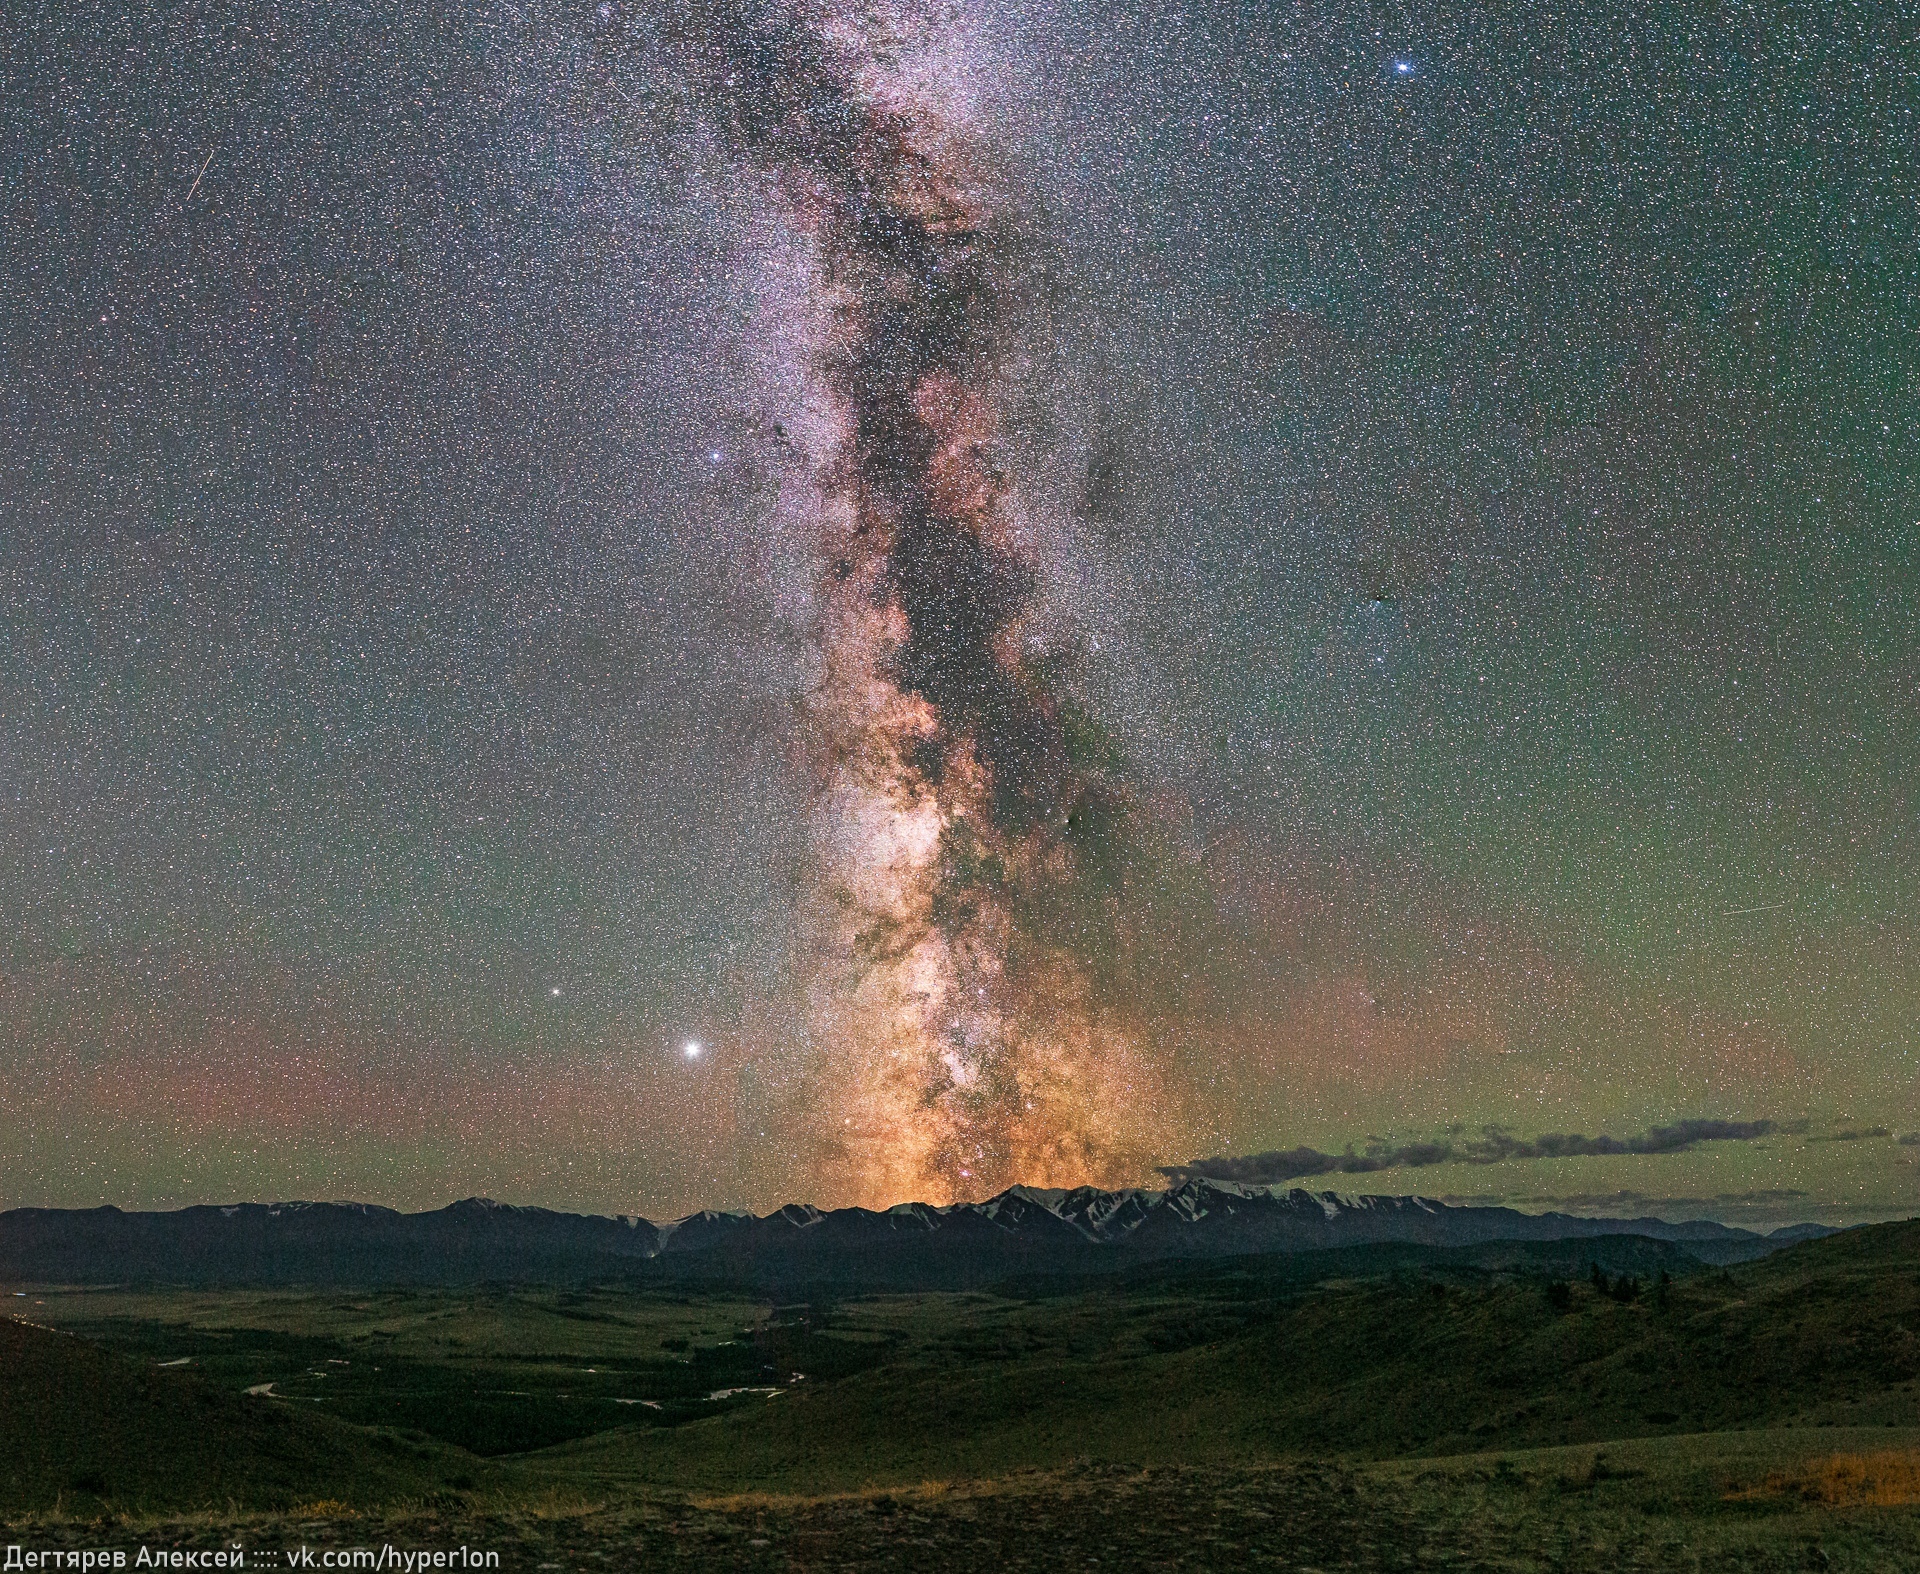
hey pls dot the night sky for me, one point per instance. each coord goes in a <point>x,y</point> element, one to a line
<point>701,603</point>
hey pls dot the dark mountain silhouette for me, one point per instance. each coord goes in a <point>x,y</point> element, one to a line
<point>314,1243</point>
<point>1022,1231</point>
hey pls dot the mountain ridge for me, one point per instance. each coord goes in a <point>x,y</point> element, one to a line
<point>1022,1230</point>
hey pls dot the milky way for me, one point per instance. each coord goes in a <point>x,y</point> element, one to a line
<point>1069,589</point>
<point>959,800</point>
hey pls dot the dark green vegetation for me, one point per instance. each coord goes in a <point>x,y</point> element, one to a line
<point>83,1428</point>
<point>1237,1361</point>
<point>1360,1389</point>
<point>491,1373</point>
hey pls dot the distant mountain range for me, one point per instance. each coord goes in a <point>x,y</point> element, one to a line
<point>1021,1232</point>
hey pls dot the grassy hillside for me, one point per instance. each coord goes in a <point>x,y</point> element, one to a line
<point>1237,1362</point>
<point>83,1427</point>
<point>1733,1419</point>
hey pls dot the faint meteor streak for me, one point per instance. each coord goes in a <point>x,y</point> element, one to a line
<point>197,178</point>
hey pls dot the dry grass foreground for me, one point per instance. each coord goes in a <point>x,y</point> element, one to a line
<point>1573,1511</point>
<point>1887,1479</point>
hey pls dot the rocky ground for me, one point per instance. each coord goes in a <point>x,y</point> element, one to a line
<point>1297,1519</point>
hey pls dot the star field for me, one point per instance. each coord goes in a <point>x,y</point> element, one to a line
<point>1465,472</point>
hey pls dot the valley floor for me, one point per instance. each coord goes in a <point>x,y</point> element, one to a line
<point>1253,1414</point>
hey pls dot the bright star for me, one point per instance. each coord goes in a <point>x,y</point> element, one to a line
<point>693,1050</point>
<point>553,991</point>
<point>1403,67</point>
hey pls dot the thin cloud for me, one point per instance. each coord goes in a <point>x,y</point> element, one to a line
<point>1492,1146</point>
<point>1864,1134</point>
<point>1637,1199</point>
